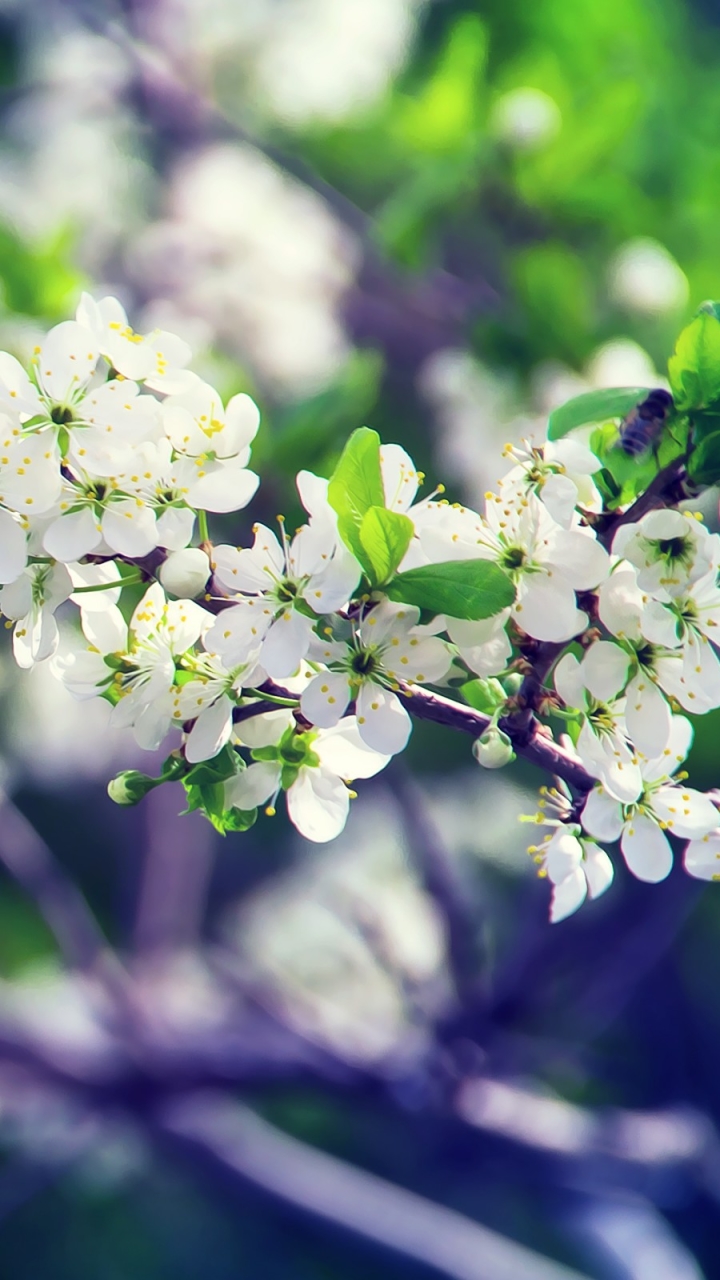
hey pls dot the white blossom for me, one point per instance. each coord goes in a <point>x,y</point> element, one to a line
<point>602,744</point>
<point>385,648</point>
<point>320,765</point>
<point>197,425</point>
<point>670,550</point>
<point>158,359</point>
<point>560,473</point>
<point>142,661</point>
<point>314,570</point>
<point>30,601</point>
<point>664,805</point>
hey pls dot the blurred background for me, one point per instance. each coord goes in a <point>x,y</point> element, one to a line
<point>256,1057</point>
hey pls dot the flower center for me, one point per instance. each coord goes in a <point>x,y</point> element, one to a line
<point>97,491</point>
<point>287,591</point>
<point>364,663</point>
<point>674,548</point>
<point>513,558</point>
<point>61,415</point>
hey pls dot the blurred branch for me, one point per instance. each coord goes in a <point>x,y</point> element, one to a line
<point>175,874</point>
<point>311,1182</point>
<point>30,861</point>
<point>442,882</point>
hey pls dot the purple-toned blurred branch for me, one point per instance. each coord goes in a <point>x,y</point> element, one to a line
<point>26,856</point>
<point>443,883</point>
<point>314,1183</point>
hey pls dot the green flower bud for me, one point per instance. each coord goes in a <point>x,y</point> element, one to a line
<point>493,749</point>
<point>130,787</point>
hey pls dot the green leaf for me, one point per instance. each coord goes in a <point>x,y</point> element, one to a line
<point>594,406</point>
<point>704,464</point>
<point>694,366</point>
<point>209,798</point>
<point>484,695</point>
<point>356,486</point>
<point>224,765</point>
<point>469,589</point>
<point>234,820</point>
<point>385,537</point>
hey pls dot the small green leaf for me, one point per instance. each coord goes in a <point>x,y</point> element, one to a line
<point>469,589</point>
<point>694,366</point>
<point>484,695</point>
<point>234,820</point>
<point>356,486</point>
<point>224,765</point>
<point>209,798</point>
<point>594,406</point>
<point>385,537</point>
<point>704,464</point>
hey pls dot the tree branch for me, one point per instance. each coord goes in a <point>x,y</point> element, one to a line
<point>539,750</point>
<point>29,860</point>
<point>311,1182</point>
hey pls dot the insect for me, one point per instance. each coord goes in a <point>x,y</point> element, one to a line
<point>642,428</point>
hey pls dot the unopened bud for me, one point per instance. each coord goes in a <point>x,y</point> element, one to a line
<point>185,573</point>
<point>493,749</point>
<point>130,787</point>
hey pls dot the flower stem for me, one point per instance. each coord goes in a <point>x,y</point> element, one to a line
<point>131,581</point>
<point>269,697</point>
<point>203,526</point>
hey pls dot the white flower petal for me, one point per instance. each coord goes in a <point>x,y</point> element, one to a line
<point>604,669</point>
<point>602,816</point>
<point>67,360</point>
<point>266,729</point>
<point>342,751</point>
<point>560,496</point>
<point>582,560</point>
<point>383,722</point>
<point>647,716</point>
<point>130,528</point>
<point>318,805</point>
<point>210,732</point>
<point>702,857</point>
<point>13,548</point>
<point>254,786</point>
<point>73,536</point>
<point>286,643</point>
<point>228,489</point>
<point>175,528</point>
<point>598,868</point>
<point>646,849</point>
<point>569,683</point>
<point>186,572</point>
<point>106,630</point>
<point>546,608</point>
<point>567,896</point>
<point>325,698</point>
<point>688,813</point>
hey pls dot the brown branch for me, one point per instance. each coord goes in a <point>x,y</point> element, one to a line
<point>539,749</point>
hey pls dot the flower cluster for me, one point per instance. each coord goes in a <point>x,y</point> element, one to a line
<point>546,608</point>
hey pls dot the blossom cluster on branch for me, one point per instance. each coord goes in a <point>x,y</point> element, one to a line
<point>574,621</point>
